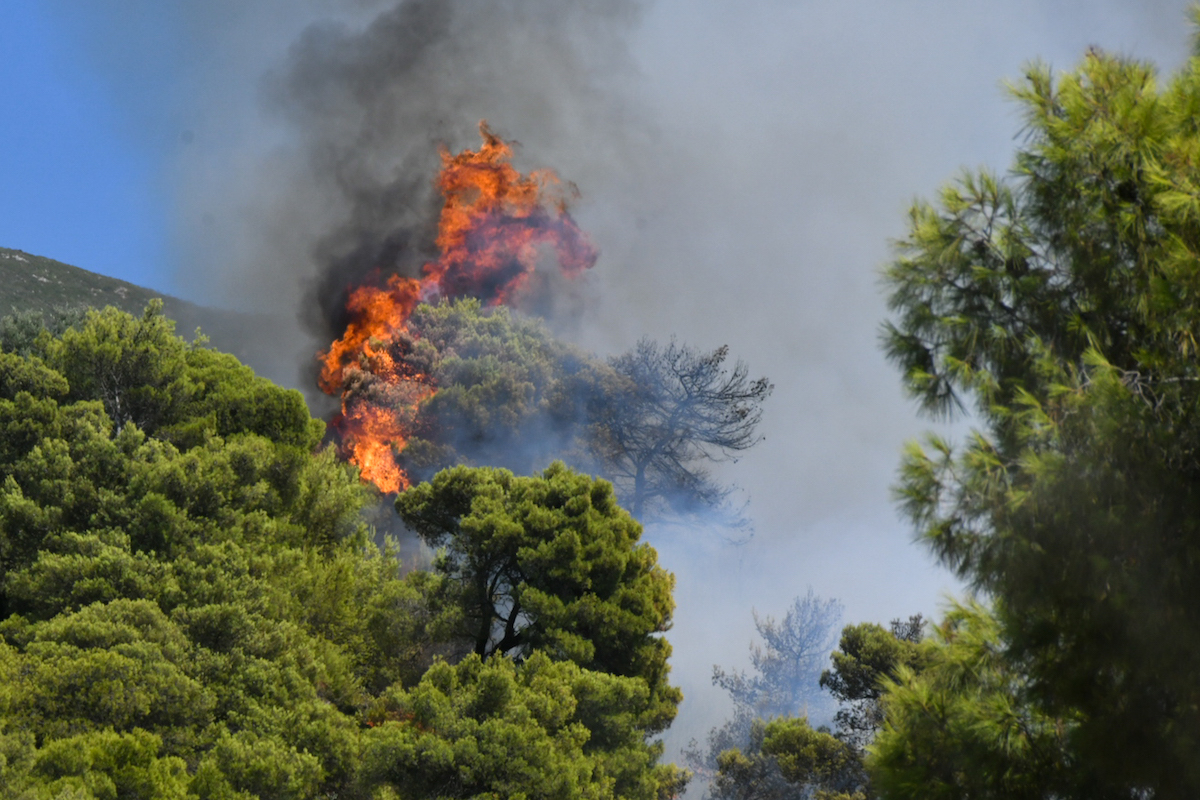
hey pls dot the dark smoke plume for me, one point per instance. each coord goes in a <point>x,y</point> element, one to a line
<point>371,105</point>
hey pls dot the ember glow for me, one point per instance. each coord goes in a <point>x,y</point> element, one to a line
<point>494,226</point>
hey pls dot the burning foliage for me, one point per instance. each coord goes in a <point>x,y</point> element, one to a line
<point>509,393</point>
<point>435,371</point>
<point>495,225</point>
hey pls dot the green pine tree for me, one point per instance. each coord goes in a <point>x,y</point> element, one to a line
<point>1062,303</point>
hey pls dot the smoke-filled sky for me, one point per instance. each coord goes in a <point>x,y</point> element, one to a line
<point>742,168</point>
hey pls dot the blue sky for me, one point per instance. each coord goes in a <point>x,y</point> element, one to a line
<point>78,182</point>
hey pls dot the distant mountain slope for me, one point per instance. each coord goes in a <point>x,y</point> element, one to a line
<point>29,282</point>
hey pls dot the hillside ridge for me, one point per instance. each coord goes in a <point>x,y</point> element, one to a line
<point>30,282</point>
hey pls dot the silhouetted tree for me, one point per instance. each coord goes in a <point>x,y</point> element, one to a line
<point>786,668</point>
<point>784,681</point>
<point>676,411</point>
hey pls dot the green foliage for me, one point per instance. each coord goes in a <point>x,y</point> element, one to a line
<point>106,766</point>
<point>814,758</point>
<point>34,285</point>
<point>868,655</point>
<point>38,292</point>
<point>550,563</point>
<point>1064,303</point>
<point>144,374</point>
<point>503,394</point>
<point>745,772</point>
<point>175,598</point>
<point>965,725</point>
<point>786,757</point>
<point>763,753</point>
<point>193,608</point>
<point>493,729</point>
<point>20,330</point>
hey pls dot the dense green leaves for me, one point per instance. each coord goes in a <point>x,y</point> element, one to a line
<point>868,655</point>
<point>193,608</point>
<point>550,563</point>
<point>544,729</point>
<point>746,772</point>
<point>814,758</point>
<point>965,725</point>
<point>786,757</point>
<point>107,766</point>
<point>170,596</point>
<point>1064,303</point>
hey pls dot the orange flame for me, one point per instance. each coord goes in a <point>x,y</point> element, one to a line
<point>493,224</point>
<point>370,433</point>
<point>376,316</point>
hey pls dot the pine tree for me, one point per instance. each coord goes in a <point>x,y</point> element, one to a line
<point>1063,302</point>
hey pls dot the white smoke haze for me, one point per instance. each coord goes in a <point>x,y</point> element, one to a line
<point>742,169</point>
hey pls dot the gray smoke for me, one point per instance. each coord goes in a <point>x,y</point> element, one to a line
<point>742,167</point>
<point>334,180</point>
<point>372,106</point>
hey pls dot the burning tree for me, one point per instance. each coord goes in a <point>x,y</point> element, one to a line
<point>427,385</point>
<point>505,391</point>
<point>493,226</point>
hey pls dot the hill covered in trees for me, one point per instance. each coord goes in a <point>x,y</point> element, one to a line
<point>33,285</point>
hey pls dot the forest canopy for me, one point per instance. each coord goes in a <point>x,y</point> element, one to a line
<point>192,605</point>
